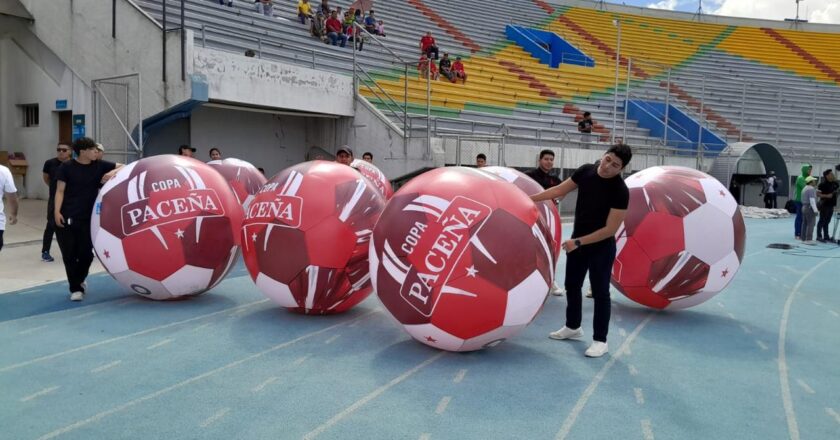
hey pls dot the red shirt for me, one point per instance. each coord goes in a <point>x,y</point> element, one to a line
<point>333,25</point>
<point>458,66</point>
<point>426,41</point>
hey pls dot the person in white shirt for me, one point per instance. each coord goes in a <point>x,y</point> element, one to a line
<point>7,189</point>
<point>770,185</point>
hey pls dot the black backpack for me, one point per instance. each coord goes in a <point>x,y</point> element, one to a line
<point>790,206</point>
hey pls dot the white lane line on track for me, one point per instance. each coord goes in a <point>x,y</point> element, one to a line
<point>425,436</point>
<point>441,406</point>
<point>50,314</point>
<point>147,397</point>
<point>264,384</point>
<point>836,315</point>
<point>460,376</point>
<point>784,380</point>
<point>622,332</point>
<point>816,303</point>
<point>632,370</point>
<point>720,304</point>
<point>833,414</point>
<point>373,395</point>
<point>332,339</point>
<point>215,417</point>
<point>32,330</point>
<point>647,430</point>
<point>761,345</point>
<point>160,343</point>
<point>43,392</point>
<point>84,315</point>
<point>746,329</point>
<point>730,315</point>
<point>584,398</point>
<point>202,326</point>
<point>107,366</point>
<point>118,338</point>
<point>299,361</point>
<point>640,396</point>
<point>805,386</point>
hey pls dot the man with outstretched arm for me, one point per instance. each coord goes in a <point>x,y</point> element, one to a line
<point>601,206</point>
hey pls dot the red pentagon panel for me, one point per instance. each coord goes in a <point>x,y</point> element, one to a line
<point>740,234</point>
<point>485,301</point>
<point>495,253</point>
<point>660,234</point>
<point>686,276</point>
<point>631,266</point>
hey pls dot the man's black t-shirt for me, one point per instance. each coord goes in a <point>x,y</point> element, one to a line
<point>445,64</point>
<point>585,126</point>
<point>828,188</point>
<point>596,196</point>
<point>51,169</point>
<point>82,184</point>
<point>544,179</point>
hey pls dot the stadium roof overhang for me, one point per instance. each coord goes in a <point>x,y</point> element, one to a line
<point>726,164</point>
<point>14,8</point>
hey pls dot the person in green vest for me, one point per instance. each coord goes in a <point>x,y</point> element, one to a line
<point>797,199</point>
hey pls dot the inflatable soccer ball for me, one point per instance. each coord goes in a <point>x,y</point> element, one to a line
<point>166,227</point>
<point>460,260</point>
<point>305,237</point>
<point>244,179</point>
<point>376,176</point>
<point>682,240</point>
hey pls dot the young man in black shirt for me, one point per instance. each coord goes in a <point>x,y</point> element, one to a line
<point>541,175</point>
<point>49,175</point>
<point>585,126</point>
<point>827,195</point>
<point>601,206</point>
<point>78,185</point>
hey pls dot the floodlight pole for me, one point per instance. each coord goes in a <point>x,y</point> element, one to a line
<point>617,24</point>
<point>699,14</point>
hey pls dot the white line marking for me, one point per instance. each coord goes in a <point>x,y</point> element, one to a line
<point>205,325</point>
<point>584,398</point>
<point>32,330</point>
<point>85,315</point>
<point>373,395</point>
<point>301,360</point>
<point>720,304</point>
<point>425,437</point>
<point>441,406</point>
<point>762,345</point>
<point>460,376</point>
<point>746,329</point>
<point>105,367</point>
<point>45,315</point>
<point>212,419</point>
<point>632,370</point>
<point>834,313</point>
<point>774,279</point>
<point>805,386</point>
<point>618,318</point>
<point>628,351</point>
<point>761,272</point>
<point>622,332</point>
<point>784,381</point>
<point>640,397</point>
<point>818,304</point>
<point>647,430</point>
<point>832,413</point>
<point>118,338</point>
<point>332,339</point>
<point>266,383</point>
<point>159,344</point>
<point>135,402</point>
<point>43,392</point>
<point>730,315</point>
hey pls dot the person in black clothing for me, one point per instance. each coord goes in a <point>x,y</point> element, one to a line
<point>601,206</point>
<point>186,150</point>
<point>541,172</point>
<point>585,126</point>
<point>827,195</point>
<point>78,185</point>
<point>49,174</point>
<point>445,67</point>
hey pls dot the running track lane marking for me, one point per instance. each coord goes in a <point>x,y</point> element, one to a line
<point>784,381</point>
<point>640,397</point>
<point>647,430</point>
<point>84,315</point>
<point>632,370</point>
<point>761,345</point>
<point>49,314</point>
<point>332,339</point>
<point>746,329</point>
<point>441,406</point>
<point>102,368</point>
<point>119,338</point>
<point>805,386</point>
<point>266,383</point>
<point>159,344</point>
<point>584,398</point>
<point>43,392</point>
<point>32,330</point>
<point>836,315</point>
<point>299,361</point>
<point>832,413</point>
<point>425,437</point>
<point>139,400</point>
<point>373,395</point>
<point>212,419</point>
<point>460,376</point>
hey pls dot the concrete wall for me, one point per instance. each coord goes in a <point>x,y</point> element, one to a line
<point>240,79</point>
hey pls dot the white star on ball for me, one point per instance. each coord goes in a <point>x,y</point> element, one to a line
<point>471,271</point>
<point>179,233</point>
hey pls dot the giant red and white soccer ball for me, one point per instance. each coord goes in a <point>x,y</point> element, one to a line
<point>682,240</point>
<point>167,227</point>
<point>305,237</point>
<point>548,211</point>
<point>243,177</point>
<point>460,260</point>
<point>376,176</point>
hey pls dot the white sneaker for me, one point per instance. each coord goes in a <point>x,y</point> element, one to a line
<point>556,290</point>
<point>566,333</point>
<point>77,296</point>
<point>597,349</point>
<point>589,293</point>
<point>84,286</point>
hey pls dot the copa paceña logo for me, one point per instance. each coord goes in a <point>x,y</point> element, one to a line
<point>169,206</point>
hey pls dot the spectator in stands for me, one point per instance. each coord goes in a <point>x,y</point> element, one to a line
<point>264,7</point>
<point>186,150</point>
<point>317,27</point>
<point>344,155</point>
<point>348,20</point>
<point>827,200</point>
<point>585,127</point>
<point>370,23</point>
<point>428,45</point>
<point>325,7</point>
<point>380,28</point>
<point>458,70</point>
<point>215,154</point>
<point>334,30</point>
<point>304,11</point>
<point>367,157</point>
<point>353,32</point>
<point>423,68</point>
<point>480,160</point>
<point>445,65</point>
<point>250,53</point>
<point>229,3</point>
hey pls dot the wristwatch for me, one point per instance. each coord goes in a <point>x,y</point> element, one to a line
<point>577,243</point>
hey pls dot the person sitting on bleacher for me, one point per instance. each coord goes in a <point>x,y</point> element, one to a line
<point>446,67</point>
<point>264,7</point>
<point>229,3</point>
<point>334,30</point>
<point>380,28</point>
<point>428,45</point>
<point>370,23</point>
<point>458,70</point>
<point>347,21</point>
<point>317,29</point>
<point>423,68</point>
<point>325,7</point>
<point>304,11</point>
